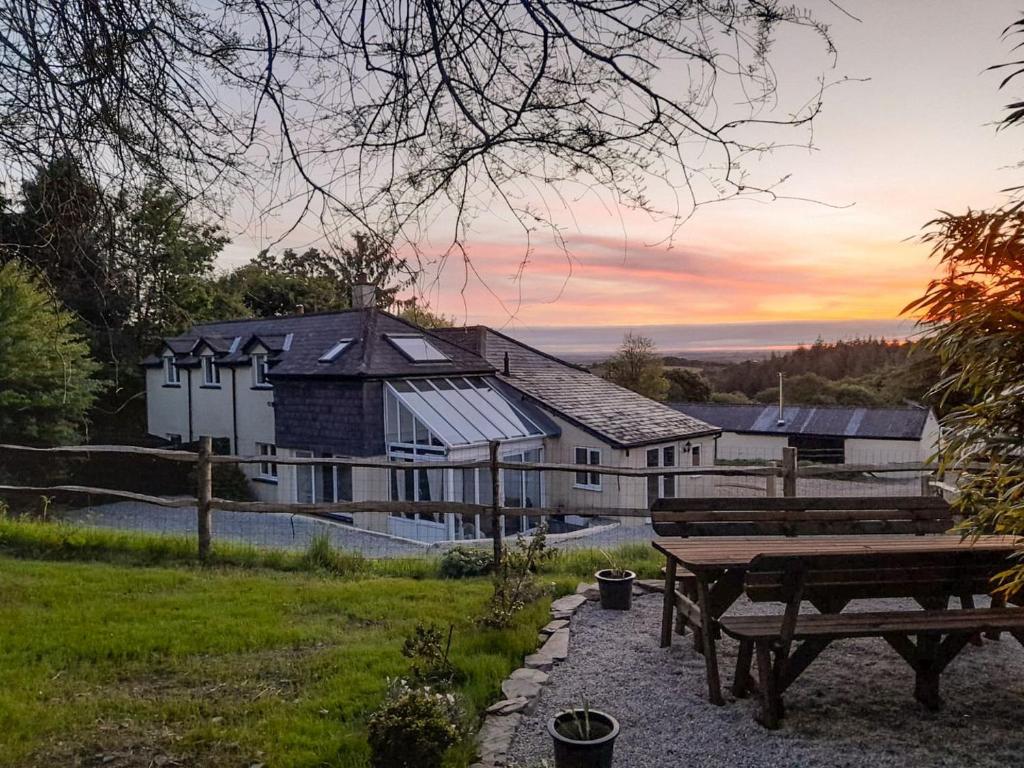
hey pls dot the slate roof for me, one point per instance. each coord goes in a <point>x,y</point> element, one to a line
<point>818,421</point>
<point>616,415</point>
<point>296,344</point>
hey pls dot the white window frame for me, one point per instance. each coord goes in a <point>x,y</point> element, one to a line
<point>211,371</point>
<point>172,376</point>
<point>520,457</point>
<point>695,455</point>
<point>430,354</point>
<point>664,483</point>
<point>267,470</point>
<point>259,369</point>
<point>332,354</point>
<point>334,473</point>
<point>593,479</point>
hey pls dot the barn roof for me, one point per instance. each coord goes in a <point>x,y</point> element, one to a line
<point>906,423</point>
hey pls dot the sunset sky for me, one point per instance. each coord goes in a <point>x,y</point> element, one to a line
<point>910,134</point>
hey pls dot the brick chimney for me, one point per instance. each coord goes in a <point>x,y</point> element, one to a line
<point>364,293</point>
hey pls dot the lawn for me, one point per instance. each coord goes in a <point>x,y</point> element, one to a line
<point>109,663</point>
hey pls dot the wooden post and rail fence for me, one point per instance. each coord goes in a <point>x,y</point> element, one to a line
<point>205,502</point>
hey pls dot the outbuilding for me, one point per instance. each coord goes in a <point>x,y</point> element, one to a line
<point>830,434</point>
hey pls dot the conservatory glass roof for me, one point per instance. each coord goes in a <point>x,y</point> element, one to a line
<point>457,411</point>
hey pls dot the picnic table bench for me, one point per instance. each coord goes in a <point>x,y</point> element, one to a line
<point>710,542</point>
<point>931,577</point>
<point>789,516</point>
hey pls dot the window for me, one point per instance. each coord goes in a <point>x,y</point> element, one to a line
<point>661,486</point>
<point>417,349</point>
<point>417,484</point>
<point>695,456</point>
<point>589,480</point>
<point>332,354</point>
<point>521,489</point>
<point>211,372</point>
<point>259,369</point>
<point>174,440</point>
<point>267,469</point>
<point>335,482</point>
<point>172,376</point>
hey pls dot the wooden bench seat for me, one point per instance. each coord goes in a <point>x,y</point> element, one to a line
<point>836,626</point>
<point>830,580</point>
<point>801,516</point>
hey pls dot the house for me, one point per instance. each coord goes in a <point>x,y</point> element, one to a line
<point>832,434</point>
<point>364,383</point>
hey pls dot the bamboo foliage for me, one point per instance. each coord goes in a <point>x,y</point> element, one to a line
<point>974,316</point>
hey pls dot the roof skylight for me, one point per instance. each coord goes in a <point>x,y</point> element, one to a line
<point>417,349</point>
<point>331,354</point>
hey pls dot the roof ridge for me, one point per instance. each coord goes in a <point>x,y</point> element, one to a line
<point>278,317</point>
<point>825,406</point>
<point>533,349</point>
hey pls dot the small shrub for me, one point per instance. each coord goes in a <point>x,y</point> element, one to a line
<point>466,562</point>
<point>429,651</point>
<point>321,556</point>
<point>228,482</point>
<point>515,583</point>
<point>413,728</point>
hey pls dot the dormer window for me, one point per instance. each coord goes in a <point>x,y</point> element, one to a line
<point>211,372</point>
<point>259,369</point>
<point>417,348</point>
<point>172,376</point>
<point>332,354</point>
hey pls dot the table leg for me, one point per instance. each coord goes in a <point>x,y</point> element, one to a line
<point>741,683</point>
<point>926,683</point>
<point>707,635</point>
<point>670,602</point>
<point>998,601</point>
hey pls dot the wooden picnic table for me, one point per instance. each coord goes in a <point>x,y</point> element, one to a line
<point>719,565</point>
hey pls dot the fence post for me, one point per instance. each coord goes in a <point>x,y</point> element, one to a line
<point>495,505</point>
<point>204,492</point>
<point>770,486</point>
<point>789,471</point>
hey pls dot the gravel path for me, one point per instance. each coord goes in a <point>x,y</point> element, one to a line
<point>853,707</point>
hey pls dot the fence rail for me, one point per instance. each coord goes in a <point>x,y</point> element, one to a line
<point>771,478</point>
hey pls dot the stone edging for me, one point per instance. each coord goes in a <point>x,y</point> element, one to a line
<point>523,687</point>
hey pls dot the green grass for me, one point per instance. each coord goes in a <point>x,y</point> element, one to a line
<point>122,645</point>
<point>23,537</point>
<point>216,665</point>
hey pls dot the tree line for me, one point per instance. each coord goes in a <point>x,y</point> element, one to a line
<point>859,372</point>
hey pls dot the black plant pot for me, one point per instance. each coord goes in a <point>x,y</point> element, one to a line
<point>616,591</point>
<point>597,752</point>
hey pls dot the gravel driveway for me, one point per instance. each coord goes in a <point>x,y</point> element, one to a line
<point>853,707</point>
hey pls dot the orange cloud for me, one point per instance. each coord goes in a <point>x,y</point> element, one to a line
<point>602,281</point>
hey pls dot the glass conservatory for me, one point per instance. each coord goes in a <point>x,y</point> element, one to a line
<point>454,419</point>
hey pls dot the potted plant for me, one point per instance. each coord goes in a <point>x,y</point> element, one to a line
<point>583,737</point>
<point>616,585</point>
